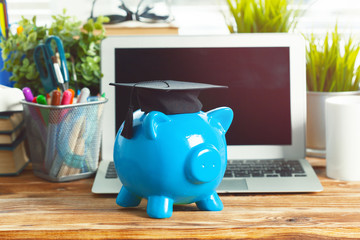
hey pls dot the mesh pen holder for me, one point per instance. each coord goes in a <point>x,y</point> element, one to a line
<point>64,141</point>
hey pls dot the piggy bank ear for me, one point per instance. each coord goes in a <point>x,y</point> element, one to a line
<point>221,118</point>
<point>153,122</point>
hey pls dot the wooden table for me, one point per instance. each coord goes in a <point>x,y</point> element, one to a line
<point>34,208</point>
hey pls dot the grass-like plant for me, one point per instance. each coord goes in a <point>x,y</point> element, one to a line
<point>331,63</point>
<point>249,16</point>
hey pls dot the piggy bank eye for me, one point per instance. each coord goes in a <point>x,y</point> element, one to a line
<point>204,164</point>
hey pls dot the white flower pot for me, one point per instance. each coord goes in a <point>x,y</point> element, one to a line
<point>315,129</point>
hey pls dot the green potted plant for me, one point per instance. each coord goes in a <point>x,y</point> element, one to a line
<point>331,71</point>
<point>81,43</point>
<point>249,16</point>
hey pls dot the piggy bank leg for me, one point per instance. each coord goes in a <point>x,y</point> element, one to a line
<point>127,199</point>
<point>210,203</point>
<point>159,207</point>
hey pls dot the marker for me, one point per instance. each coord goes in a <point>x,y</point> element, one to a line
<point>57,162</point>
<point>55,118</point>
<point>56,98</point>
<point>41,100</point>
<point>66,99</point>
<point>73,95</point>
<point>34,111</point>
<point>48,98</point>
<point>29,97</point>
<point>84,94</point>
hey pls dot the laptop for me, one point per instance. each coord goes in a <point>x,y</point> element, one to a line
<point>266,77</point>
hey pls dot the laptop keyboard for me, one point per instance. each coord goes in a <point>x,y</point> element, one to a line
<point>264,168</point>
<point>250,168</point>
<point>111,171</point>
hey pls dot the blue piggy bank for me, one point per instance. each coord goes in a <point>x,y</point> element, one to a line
<point>173,159</point>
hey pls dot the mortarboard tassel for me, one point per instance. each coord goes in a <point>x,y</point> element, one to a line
<point>127,131</point>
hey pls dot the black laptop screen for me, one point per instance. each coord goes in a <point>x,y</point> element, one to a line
<point>258,80</point>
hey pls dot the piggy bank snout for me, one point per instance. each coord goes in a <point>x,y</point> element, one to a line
<point>204,164</point>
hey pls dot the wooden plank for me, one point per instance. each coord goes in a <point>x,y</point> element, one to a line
<point>33,208</point>
<point>191,233</point>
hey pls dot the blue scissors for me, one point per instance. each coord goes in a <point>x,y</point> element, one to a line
<point>49,74</point>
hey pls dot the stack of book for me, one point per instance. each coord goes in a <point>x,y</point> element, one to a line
<point>13,157</point>
<point>140,28</point>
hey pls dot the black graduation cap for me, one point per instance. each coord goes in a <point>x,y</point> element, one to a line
<point>166,96</point>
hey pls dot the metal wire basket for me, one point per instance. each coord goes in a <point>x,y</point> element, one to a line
<point>64,141</point>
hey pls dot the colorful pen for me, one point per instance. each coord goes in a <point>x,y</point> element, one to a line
<point>56,98</point>
<point>44,113</point>
<point>48,98</point>
<point>66,99</point>
<point>57,161</point>
<point>73,95</point>
<point>76,141</point>
<point>29,97</point>
<point>41,99</point>
<point>84,94</point>
<point>55,117</point>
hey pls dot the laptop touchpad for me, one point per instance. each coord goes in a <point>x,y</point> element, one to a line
<point>229,185</point>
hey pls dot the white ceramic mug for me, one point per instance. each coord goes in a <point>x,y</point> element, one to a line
<point>342,123</point>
